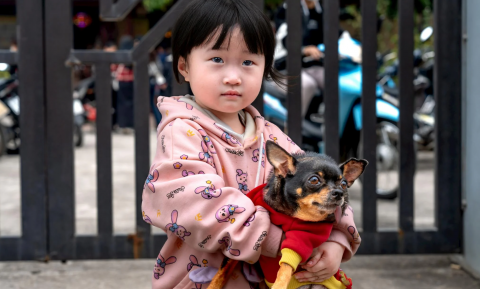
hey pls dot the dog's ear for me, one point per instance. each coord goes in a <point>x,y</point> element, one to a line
<point>352,169</point>
<point>280,159</point>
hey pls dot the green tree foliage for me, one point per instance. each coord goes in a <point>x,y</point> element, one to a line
<point>152,5</point>
<point>391,7</point>
<point>387,10</point>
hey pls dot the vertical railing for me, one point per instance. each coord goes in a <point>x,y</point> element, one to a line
<point>33,122</point>
<point>294,68</point>
<point>407,152</point>
<point>33,243</point>
<point>331,29</point>
<point>103,91</point>
<point>59,129</point>
<point>142,109</point>
<point>141,243</point>
<point>369,118</point>
<point>448,111</point>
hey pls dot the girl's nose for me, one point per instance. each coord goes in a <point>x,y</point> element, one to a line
<point>232,78</point>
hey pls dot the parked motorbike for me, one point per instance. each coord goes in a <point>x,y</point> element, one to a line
<point>424,102</point>
<point>10,117</point>
<point>350,118</point>
<point>84,93</point>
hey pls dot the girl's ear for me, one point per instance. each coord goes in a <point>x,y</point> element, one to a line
<point>182,67</point>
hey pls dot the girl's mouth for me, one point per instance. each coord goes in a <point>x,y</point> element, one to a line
<point>231,93</point>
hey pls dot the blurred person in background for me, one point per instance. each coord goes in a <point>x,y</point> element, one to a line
<point>110,46</point>
<point>164,55</point>
<point>313,73</point>
<point>124,76</point>
<point>157,83</point>
<point>13,48</point>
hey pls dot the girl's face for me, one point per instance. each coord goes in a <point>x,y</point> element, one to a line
<point>224,81</point>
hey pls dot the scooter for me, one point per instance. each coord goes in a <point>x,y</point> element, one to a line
<point>10,116</point>
<point>350,118</point>
<point>424,118</point>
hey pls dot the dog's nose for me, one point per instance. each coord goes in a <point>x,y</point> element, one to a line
<point>337,194</point>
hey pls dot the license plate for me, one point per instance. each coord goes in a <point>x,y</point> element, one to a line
<point>14,104</point>
<point>77,107</point>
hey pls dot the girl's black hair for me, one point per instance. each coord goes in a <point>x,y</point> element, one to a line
<point>201,20</point>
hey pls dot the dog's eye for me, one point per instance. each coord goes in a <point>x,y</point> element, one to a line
<point>314,180</point>
<point>344,184</point>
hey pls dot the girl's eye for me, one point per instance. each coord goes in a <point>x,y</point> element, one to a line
<point>344,184</point>
<point>314,180</point>
<point>248,63</point>
<point>217,60</point>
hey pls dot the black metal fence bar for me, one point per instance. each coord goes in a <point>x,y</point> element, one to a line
<point>122,247</point>
<point>8,57</point>
<point>157,32</point>
<point>59,121</point>
<point>140,55</point>
<point>10,249</point>
<point>142,140</point>
<point>421,242</point>
<point>294,67</point>
<point>448,140</point>
<point>110,11</point>
<point>331,28</point>
<point>32,120</point>
<point>369,119</point>
<point>407,151</point>
<point>103,89</point>
<point>98,56</point>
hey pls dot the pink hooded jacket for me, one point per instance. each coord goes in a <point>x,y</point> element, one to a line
<point>196,192</point>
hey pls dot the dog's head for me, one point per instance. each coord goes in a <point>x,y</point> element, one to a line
<point>309,186</point>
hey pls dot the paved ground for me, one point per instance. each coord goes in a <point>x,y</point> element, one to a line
<point>123,200</point>
<point>372,272</point>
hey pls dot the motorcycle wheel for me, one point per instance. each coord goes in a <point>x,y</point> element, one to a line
<point>77,136</point>
<point>387,160</point>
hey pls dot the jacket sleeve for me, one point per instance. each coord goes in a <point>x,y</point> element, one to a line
<point>346,234</point>
<point>184,196</point>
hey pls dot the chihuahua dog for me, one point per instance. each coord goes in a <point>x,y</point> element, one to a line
<point>304,194</point>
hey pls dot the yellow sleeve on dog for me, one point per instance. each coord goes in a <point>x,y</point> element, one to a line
<point>291,258</point>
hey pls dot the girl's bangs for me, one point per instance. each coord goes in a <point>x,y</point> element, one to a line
<point>251,35</point>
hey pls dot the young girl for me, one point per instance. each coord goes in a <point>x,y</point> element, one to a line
<point>211,152</point>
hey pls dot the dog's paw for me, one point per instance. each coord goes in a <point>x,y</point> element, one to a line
<point>284,275</point>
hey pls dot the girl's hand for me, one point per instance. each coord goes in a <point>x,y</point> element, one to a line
<point>323,263</point>
<point>313,52</point>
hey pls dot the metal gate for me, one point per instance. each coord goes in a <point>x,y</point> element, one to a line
<point>47,167</point>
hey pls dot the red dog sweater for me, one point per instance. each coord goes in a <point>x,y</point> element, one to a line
<point>301,237</point>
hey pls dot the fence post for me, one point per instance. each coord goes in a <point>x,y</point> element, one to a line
<point>294,68</point>
<point>59,121</point>
<point>331,124</point>
<point>407,152</point>
<point>369,116</point>
<point>448,137</point>
<point>32,120</point>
